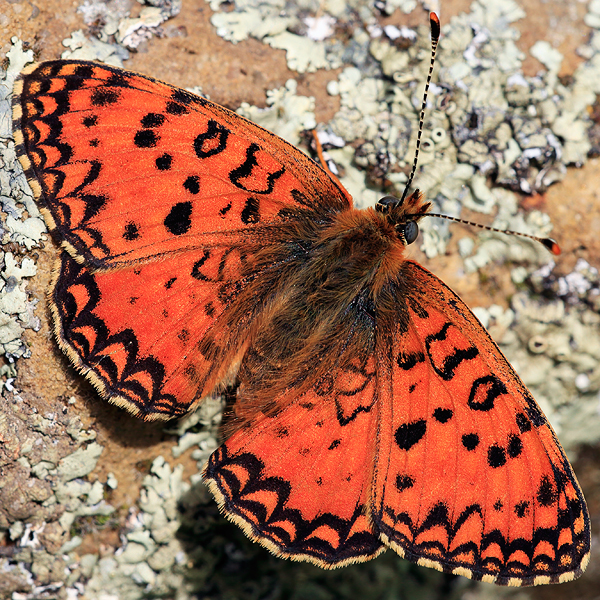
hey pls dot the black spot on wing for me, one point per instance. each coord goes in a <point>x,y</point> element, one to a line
<point>409,434</point>
<point>404,482</point>
<point>442,415</point>
<point>438,516</point>
<point>547,494</point>
<point>90,121</point>
<point>179,219</point>
<point>192,184</point>
<point>451,361</point>
<point>245,177</point>
<point>196,272</point>
<point>84,71</point>
<point>522,509</point>
<point>223,211</point>
<point>212,141</point>
<point>145,138</point>
<point>408,361</point>
<point>131,232</point>
<point>523,423</point>
<point>470,441</point>
<point>152,120</point>
<point>93,205</point>
<point>496,456</point>
<point>515,446</point>
<point>282,432</point>
<point>174,108</point>
<point>484,392</point>
<point>104,96</point>
<point>163,162</point>
<point>250,212</point>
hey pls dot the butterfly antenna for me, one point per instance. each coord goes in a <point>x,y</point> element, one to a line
<point>549,243</point>
<point>434,23</point>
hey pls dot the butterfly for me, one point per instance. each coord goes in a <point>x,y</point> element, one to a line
<point>373,409</point>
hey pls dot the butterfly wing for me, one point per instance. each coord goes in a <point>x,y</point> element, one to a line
<point>469,476</point>
<point>153,192</point>
<point>128,168</point>
<point>298,482</point>
<point>142,334</point>
<point>434,448</point>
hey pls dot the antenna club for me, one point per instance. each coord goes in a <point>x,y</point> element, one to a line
<point>551,245</point>
<point>434,22</point>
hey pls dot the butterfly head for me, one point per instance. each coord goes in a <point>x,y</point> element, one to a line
<point>404,214</point>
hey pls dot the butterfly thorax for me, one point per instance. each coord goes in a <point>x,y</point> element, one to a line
<point>321,293</point>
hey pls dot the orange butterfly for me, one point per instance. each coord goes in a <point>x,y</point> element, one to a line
<point>373,409</point>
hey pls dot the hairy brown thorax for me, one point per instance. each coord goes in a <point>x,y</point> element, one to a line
<point>322,285</point>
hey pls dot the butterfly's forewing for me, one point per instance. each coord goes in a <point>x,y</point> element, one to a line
<point>154,191</point>
<point>299,482</point>
<point>469,476</point>
<point>130,168</point>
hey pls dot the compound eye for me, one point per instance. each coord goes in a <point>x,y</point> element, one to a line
<point>384,204</point>
<point>411,232</point>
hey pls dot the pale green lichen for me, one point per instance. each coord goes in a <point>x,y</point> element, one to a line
<point>131,32</point>
<point>83,47</point>
<point>309,42</point>
<point>116,31</point>
<point>592,18</point>
<point>21,224</point>
<point>80,463</point>
<point>303,54</point>
<point>550,57</point>
<point>287,114</point>
<point>17,59</point>
<point>151,555</point>
<point>237,26</point>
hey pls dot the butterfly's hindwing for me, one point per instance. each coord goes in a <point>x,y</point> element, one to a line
<point>298,482</point>
<point>129,329</point>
